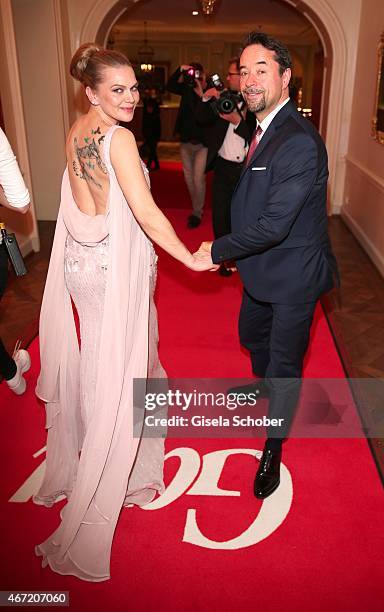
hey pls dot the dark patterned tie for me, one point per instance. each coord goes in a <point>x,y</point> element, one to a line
<point>254,142</point>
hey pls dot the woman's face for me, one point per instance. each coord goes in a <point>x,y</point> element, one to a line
<point>117,94</point>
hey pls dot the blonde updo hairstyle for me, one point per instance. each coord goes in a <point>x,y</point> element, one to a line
<point>90,60</point>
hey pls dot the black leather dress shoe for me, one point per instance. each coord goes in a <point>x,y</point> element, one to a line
<point>193,221</point>
<point>257,389</point>
<point>268,475</point>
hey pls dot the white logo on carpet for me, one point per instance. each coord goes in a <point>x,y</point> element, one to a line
<point>273,511</point>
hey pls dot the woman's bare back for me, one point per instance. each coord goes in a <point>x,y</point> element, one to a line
<point>87,171</point>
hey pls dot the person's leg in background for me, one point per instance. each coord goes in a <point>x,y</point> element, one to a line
<point>11,368</point>
<point>152,155</point>
<point>187,154</point>
<point>199,179</point>
<point>155,156</point>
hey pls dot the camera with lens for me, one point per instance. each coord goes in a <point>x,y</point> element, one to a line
<point>190,76</point>
<point>226,103</point>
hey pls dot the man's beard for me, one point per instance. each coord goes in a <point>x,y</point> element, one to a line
<point>256,106</point>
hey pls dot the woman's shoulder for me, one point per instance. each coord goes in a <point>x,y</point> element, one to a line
<point>122,136</point>
<point>123,147</point>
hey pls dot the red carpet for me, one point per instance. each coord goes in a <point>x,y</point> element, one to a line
<point>169,188</point>
<point>320,551</point>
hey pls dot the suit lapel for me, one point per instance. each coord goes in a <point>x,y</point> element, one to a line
<point>281,116</point>
<point>263,142</point>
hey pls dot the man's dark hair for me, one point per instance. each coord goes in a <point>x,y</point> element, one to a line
<point>282,55</point>
<point>197,66</point>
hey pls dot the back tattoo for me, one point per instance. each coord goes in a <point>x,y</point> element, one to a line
<point>88,157</point>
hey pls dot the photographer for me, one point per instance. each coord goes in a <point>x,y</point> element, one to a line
<point>188,81</point>
<point>14,195</point>
<point>227,136</point>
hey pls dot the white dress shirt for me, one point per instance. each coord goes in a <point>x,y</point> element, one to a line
<point>265,123</point>
<point>234,147</point>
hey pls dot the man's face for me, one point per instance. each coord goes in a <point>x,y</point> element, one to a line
<point>261,84</point>
<point>233,77</point>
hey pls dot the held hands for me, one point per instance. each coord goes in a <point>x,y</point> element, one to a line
<point>202,260</point>
<point>203,256</point>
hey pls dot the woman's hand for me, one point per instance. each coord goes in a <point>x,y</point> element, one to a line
<point>200,263</point>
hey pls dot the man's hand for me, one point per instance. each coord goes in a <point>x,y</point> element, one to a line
<point>211,93</point>
<point>204,248</point>
<point>233,117</point>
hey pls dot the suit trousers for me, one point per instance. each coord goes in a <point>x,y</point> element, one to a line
<point>225,178</point>
<point>194,158</point>
<point>277,337</point>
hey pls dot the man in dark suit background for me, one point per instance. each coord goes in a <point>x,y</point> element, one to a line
<point>227,137</point>
<point>279,239</point>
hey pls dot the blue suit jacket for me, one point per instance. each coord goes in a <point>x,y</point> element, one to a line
<point>279,233</point>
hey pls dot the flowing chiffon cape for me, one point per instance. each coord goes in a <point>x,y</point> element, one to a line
<point>95,480</point>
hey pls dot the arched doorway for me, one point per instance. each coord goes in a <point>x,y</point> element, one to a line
<point>330,31</point>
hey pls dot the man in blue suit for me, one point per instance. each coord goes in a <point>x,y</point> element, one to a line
<point>279,239</point>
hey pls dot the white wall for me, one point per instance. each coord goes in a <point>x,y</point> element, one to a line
<point>363,206</point>
<point>25,226</point>
<point>35,29</point>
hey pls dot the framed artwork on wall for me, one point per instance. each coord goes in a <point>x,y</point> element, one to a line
<point>378,112</point>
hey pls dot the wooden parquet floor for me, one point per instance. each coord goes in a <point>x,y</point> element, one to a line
<point>355,311</point>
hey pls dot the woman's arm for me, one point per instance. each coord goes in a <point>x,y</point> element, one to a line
<point>127,165</point>
<point>13,192</point>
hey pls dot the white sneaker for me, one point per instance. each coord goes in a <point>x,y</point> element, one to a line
<point>22,359</point>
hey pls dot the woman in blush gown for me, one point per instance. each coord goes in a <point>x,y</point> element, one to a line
<point>103,259</point>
